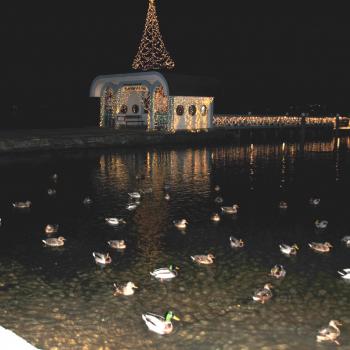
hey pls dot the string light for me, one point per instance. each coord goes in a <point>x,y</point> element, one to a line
<point>152,53</point>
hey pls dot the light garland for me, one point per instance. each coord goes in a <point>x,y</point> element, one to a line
<point>152,53</point>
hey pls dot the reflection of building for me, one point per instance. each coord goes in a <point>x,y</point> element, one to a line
<point>143,99</point>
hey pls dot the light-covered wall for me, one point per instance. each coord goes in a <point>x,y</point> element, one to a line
<point>188,121</point>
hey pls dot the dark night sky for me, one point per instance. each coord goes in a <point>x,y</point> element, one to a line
<point>264,59</point>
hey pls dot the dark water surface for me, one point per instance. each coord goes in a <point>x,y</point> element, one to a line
<point>60,299</point>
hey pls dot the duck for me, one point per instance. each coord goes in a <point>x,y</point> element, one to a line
<point>54,177</point>
<point>346,240</point>
<point>124,289</point>
<point>217,188</point>
<point>49,229</point>
<point>167,196</point>
<point>278,271</point>
<point>215,217</point>
<point>203,259</point>
<point>345,273</point>
<point>115,221</point>
<point>321,247</point>
<point>283,205</point>
<point>117,244</point>
<point>321,224</point>
<point>263,295</point>
<point>51,191</point>
<point>101,258</point>
<point>159,324</point>
<point>54,242</point>
<point>314,201</point>
<point>165,273</point>
<point>131,206</point>
<point>87,201</point>
<point>236,243</point>
<point>22,205</point>
<point>180,224</point>
<point>289,250</point>
<point>330,333</point>
<point>230,210</point>
<point>218,200</point>
<point>135,195</point>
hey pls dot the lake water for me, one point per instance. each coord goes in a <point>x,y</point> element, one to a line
<point>60,299</point>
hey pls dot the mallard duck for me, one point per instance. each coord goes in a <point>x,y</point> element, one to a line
<point>346,240</point>
<point>314,201</point>
<point>215,217</point>
<point>115,221</point>
<point>283,205</point>
<point>51,191</point>
<point>217,188</point>
<point>54,242</point>
<point>117,244</point>
<point>51,228</point>
<point>125,289</point>
<point>236,243</point>
<point>330,333</point>
<point>159,324</point>
<point>180,224</point>
<point>345,273</point>
<point>165,273</point>
<point>289,250</point>
<point>218,200</point>
<point>87,201</point>
<point>134,195</point>
<point>278,271</point>
<point>230,210</point>
<point>101,258</point>
<point>54,177</point>
<point>167,196</point>
<point>131,206</point>
<point>321,247</point>
<point>203,259</point>
<point>321,224</point>
<point>263,295</point>
<point>22,205</point>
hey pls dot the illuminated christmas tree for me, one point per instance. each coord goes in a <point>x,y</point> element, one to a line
<point>152,53</point>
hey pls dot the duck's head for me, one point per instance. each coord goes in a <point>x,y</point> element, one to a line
<point>61,239</point>
<point>211,256</point>
<point>295,246</point>
<point>184,221</point>
<point>235,206</point>
<point>335,323</point>
<point>169,315</point>
<point>173,267</point>
<point>327,244</point>
<point>131,285</point>
<point>268,286</point>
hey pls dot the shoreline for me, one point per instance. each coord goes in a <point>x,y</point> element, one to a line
<point>44,140</point>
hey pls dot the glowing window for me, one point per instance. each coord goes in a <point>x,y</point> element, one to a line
<point>123,109</point>
<point>204,110</point>
<point>180,110</point>
<point>135,109</point>
<point>192,110</point>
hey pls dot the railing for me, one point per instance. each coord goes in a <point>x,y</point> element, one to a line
<point>262,121</point>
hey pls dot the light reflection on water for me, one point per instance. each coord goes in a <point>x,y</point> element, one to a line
<point>59,297</point>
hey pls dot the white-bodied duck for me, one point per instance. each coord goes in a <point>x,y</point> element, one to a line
<point>321,247</point>
<point>54,177</point>
<point>54,242</point>
<point>87,201</point>
<point>314,201</point>
<point>101,258</point>
<point>124,289</point>
<point>131,206</point>
<point>346,240</point>
<point>215,217</point>
<point>51,191</point>
<point>180,224</point>
<point>219,200</point>
<point>203,259</point>
<point>278,271</point>
<point>236,243</point>
<point>330,333</point>
<point>217,188</point>
<point>167,196</point>
<point>115,221</point>
<point>283,205</point>
<point>49,229</point>
<point>345,273</point>
<point>159,324</point>
<point>117,244</point>
<point>22,205</point>
<point>321,224</point>
<point>134,195</point>
<point>165,273</point>
<point>288,250</point>
<point>263,295</point>
<point>230,210</point>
